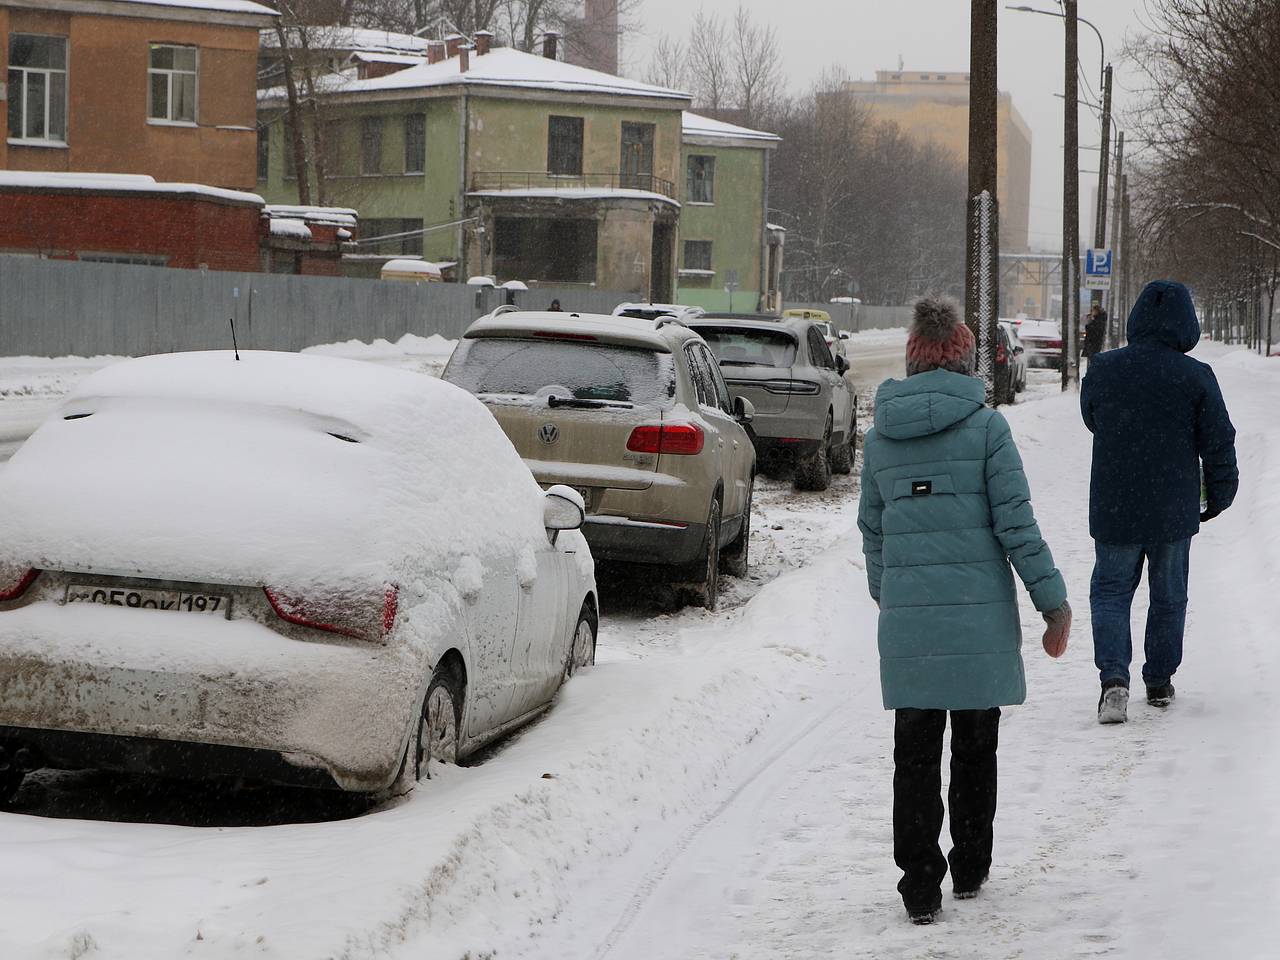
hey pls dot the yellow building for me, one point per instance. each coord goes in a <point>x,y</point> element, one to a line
<point>935,106</point>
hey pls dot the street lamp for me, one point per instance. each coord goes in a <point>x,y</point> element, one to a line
<point>1049,13</point>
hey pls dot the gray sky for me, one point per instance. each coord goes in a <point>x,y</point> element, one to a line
<point>862,36</point>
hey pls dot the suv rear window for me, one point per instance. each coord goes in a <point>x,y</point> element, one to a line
<point>744,346</point>
<point>586,371</point>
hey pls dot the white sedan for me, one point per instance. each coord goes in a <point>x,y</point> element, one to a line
<point>295,569</point>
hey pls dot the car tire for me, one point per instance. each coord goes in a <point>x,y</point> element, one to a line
<point>10,784</point>
<point>843,455</point>
<point>705,591</point>
<point>814,471</point>
<point>582,646</point>
<point>736,557</point>
<point>438,731</point>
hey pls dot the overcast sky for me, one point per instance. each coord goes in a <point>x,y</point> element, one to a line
<point>861,37</point>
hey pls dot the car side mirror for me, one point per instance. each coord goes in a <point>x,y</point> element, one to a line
<point>562,509</point>
<point>743,410</point>
<point>842,365</point>
<point>1017,350</point>
<point>844,335</point>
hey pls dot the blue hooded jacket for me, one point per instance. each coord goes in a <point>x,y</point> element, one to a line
<point>945,510</point>
<point>1156,415</point>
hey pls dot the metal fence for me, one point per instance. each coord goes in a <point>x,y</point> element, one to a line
<point>56,308</point>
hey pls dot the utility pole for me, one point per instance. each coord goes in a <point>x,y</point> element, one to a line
<point>1070,205</point>
<point>1126,258</point>
<point>1113,337</point>
<point>1100,213</point>
<point>982,255</point>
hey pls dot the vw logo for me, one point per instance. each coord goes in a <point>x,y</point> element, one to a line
<point>549,433</point>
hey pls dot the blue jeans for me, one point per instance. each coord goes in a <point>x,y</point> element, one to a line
<point>1117,572</point>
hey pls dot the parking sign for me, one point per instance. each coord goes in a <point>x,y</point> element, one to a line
<point>1097,269</point>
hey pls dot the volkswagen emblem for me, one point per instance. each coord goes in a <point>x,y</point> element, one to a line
<point>549,433</point>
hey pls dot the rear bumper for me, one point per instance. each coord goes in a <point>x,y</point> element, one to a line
<point>1042,359</point>
<point>631,541</point>
<point>129,689</point>
<point>794,424</point>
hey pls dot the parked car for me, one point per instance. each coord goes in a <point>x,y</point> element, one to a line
<point>1011,363</point>
<point>822,320</point>
<point>634,414</point>
<point>652,311</point>
<point>1042,340</point>
<point>805,408</point>
<point>296,569</point>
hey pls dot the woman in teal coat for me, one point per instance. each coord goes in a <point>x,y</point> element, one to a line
<point>945,511</point>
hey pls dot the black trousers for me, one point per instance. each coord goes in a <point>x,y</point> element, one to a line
<point>917,800</point>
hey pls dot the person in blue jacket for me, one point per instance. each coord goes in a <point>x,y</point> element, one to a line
<point>1158,420</point>
<point>945,508</point>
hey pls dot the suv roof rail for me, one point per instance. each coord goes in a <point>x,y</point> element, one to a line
<point>504,308</point>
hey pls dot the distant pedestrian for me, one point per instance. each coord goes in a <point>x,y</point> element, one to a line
<point>1158,420</point>
<point>1095,331</point>
<point>945,508</point>
<point>555,307</point>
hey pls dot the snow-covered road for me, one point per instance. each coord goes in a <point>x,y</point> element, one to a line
<point>718,786</point>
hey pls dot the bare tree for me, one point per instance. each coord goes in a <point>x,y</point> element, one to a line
<point>709,65</point>
<point>755,68</point>
<point>669,64</point>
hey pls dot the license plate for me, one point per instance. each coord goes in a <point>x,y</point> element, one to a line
<point>141,598</point>
<point>585,494</point>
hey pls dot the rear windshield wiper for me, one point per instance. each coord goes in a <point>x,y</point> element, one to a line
<point>584,404</point>
<point>744,363</point>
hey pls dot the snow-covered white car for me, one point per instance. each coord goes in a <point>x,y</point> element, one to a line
<point>1042,340</point>
<point>652,311</point>
<point>297,569</point>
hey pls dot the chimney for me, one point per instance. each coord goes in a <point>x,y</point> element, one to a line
<point>484,41</point>
<point>549,41</point>
<point>464,57</point>
<point>435,51</point>
<point>452,43</point>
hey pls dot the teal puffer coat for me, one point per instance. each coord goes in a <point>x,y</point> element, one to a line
<point>945,507</point>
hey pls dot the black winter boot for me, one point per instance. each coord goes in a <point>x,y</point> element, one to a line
<point>1161,695</point>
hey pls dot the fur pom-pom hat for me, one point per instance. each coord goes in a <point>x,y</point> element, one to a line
<point>939,339</point>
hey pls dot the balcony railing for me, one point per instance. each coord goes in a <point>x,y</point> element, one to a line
<point>541,180</point>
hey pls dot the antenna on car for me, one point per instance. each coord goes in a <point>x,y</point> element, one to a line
<point>235,347</point>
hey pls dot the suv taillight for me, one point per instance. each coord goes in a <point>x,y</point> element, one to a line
<point>360,618</point>
<point>804,387</point>
<point>683,439</point>
<point>14,581</point>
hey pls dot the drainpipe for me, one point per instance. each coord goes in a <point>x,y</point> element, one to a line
<point>463,132</point>
<point>764,235</point>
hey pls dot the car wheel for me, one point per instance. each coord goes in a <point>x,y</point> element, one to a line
<point>736,556</point>
<point>814,472</point>
<point>706,590</point>
<point>842,456</point>
<point>582,651</point>
<point>10,784</point>
<point>436,736</point>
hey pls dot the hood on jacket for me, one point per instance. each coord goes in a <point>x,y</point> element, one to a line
<point>926,403</point>
<point>1164,313</point>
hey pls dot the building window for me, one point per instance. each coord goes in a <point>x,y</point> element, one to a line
<point>564,146</point>
<point>637,155</point>
<point>415,143</point>
<point>371,228</point>
<point>370,145</point>
<point>290,166</point>
<point>697,255</point>
<point>37,88</point>
<point>702,179</point>
<point>264,151</point>
<point>172,77</point>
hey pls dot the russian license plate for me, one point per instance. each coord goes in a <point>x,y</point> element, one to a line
<point>144,599</point>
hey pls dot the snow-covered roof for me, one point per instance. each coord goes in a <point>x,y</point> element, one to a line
<point>289,227</point>
<point>502,67</point>
<point>424,267</point>
<point>356,39</point>
<point>221,6</point>
<point>365,56</point>
<point>576,193</point>
<point>118,183</point>
<point>336,216</point>
<point>696,125</point>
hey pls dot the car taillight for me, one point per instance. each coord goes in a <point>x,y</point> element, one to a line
<point>361,617</point>
<point>684,439</point>
<point>15,580</point>
<point>804,387</point>
<point>1053,344</point>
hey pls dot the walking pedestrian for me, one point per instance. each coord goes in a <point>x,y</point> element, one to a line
<point>555,307</point>
<point>1158,420</point>
<point>1095,331</point>
<point>945,509</point>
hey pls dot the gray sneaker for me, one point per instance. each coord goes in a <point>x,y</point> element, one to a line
<point>1113,705</point>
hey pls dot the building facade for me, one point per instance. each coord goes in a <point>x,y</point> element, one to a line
<point>124,86</point>
<point>504,163</point>
<point>934,106</point>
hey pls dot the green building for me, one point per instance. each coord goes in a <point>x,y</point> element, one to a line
<point>523,167</point>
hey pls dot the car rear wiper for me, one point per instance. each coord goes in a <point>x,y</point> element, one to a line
<point>584,404</point>
<point>742,363</point>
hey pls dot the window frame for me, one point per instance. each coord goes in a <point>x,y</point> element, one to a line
<point>264,152</point>
<point>371,130</point>
<point>419,155</point>
<point>45,141</point>
<point>170,73</point>
<point>579,123</point>
<point>707,159</point>
<point>710,248</point>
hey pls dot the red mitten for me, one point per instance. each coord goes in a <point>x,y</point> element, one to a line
<point>1057,630</point>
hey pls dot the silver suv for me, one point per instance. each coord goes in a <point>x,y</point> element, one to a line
<point>805,408</point>
<point>635,415</point>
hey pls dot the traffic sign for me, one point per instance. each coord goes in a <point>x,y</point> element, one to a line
<point>1097,263</point>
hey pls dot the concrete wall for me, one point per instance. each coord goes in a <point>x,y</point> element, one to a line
<point>60,308</point>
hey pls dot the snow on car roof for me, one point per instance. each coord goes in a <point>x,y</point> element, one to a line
<point>278,469</point>
<point>696,125</point>
<point>626,331</point>
<point>501,67</point>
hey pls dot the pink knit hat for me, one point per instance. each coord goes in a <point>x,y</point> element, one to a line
<point>939,339</point>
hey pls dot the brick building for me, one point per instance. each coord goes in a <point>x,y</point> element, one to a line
<point>132,86</point>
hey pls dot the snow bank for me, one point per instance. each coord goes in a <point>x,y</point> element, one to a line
<point>408,345</point>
